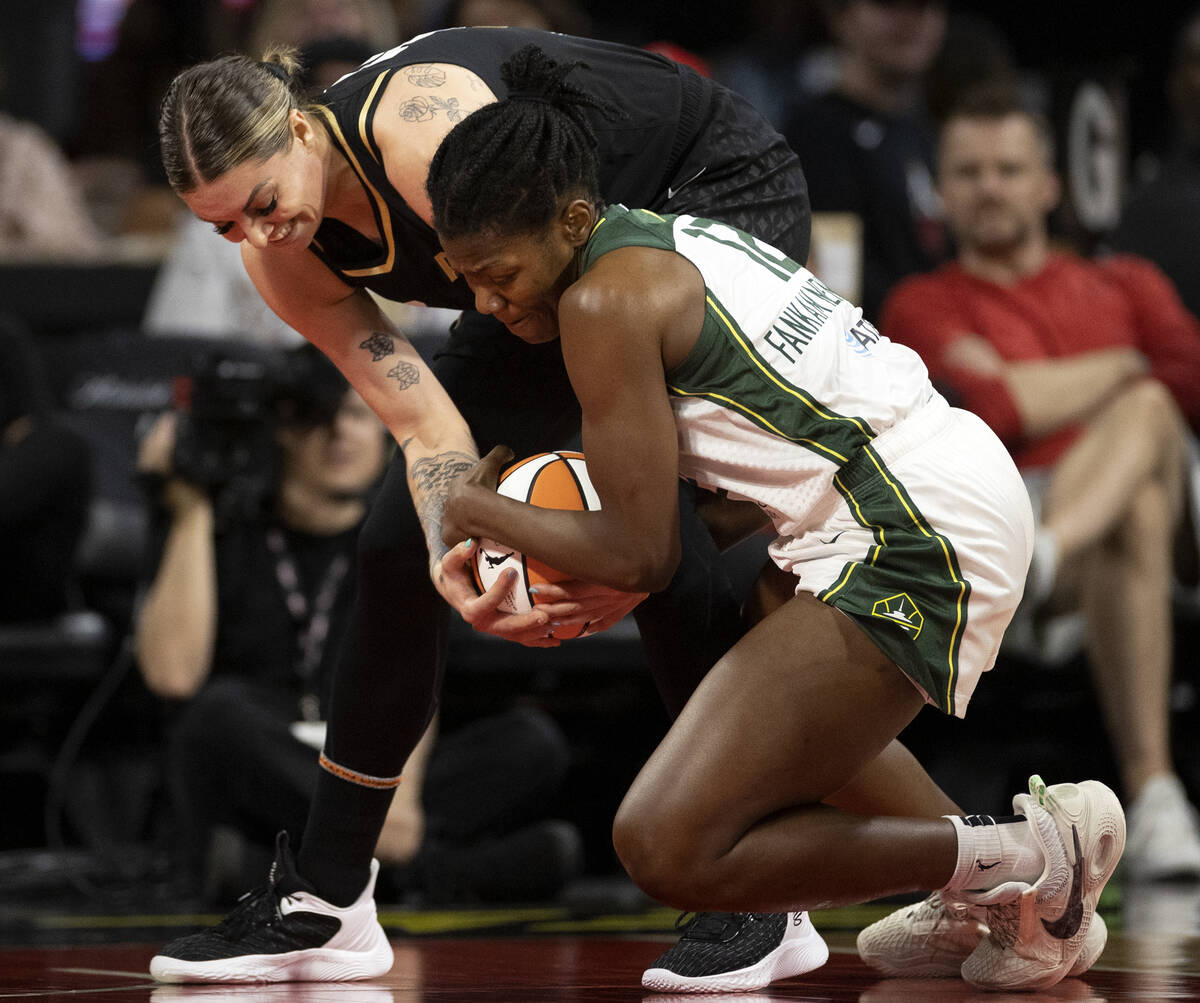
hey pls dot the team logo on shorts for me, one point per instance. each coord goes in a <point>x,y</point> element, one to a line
<point>902,611</point>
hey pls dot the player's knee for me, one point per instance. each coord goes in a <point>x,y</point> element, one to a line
<point>657,858</point>
<point>1153,407</point>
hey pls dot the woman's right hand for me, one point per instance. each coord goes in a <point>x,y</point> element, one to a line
<point>456,583</point>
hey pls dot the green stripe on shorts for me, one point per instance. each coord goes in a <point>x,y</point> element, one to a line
<point>907,593</point>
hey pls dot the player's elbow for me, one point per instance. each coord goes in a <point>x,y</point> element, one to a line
<point>651,568</point>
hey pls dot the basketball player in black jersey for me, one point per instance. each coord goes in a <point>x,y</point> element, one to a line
<point>329,201</point>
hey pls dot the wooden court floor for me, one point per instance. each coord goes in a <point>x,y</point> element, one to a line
<point>554,953</point>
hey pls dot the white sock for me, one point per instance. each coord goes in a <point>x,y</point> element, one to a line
<point>994,849</point>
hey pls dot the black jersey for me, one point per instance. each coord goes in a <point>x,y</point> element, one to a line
<point>662,108</point>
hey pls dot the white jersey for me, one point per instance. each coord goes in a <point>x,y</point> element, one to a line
<point>787,382</point>
<point>906,514</point>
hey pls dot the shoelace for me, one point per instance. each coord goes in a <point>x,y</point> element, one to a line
<point>1004,923</point>
<point>254,909</point>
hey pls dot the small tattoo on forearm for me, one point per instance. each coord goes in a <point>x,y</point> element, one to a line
<point>422,109</point>
<point>405,374</point>
<point>425,75</point>
<point>379,345</point>
<point>431,478</point>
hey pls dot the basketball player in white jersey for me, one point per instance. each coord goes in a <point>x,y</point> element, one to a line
<point>696,350</point>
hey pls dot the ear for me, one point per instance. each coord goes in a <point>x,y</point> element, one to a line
<point>302,126</point>
<point>577,219</point>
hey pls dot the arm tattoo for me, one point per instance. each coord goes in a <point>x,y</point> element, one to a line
<point>422,109</point>
<point>425,75</point>
<point>405,374</point>
<point>379,345</point>
<point>431,478</point>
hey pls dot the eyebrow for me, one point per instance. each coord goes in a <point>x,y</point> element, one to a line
<point>246,208</point>
<point>253,195</point>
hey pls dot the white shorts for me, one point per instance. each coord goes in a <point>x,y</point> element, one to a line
<point>925,540</point>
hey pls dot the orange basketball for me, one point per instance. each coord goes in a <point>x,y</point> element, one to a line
<point>548,480</point>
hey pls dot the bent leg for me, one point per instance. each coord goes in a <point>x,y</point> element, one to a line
<point>894,782</point>
<point>233,761</point>
<point>1114,504</point>
<point>1126,599</point>
<point>1138,438</point>
<point>726,814</point>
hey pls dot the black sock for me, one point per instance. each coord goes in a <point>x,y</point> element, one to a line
<point>344,823</point>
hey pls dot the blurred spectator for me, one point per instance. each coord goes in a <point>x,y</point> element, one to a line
<point>1161,220</point>
<point>241,625</point>
<point>202,289</point>
<point>295,23</point>
<point>326,60</point>
<point>45,487</point>
<point>549,15</point>
<point>42,212</point>
<point>781,54</point>
<point>974,51</point>
<point>1082,368</point>
<point>114,145</point>
<point>867,144</point>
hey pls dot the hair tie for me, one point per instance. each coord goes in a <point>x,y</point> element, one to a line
<point>278,71</point>
<point>531,96</point>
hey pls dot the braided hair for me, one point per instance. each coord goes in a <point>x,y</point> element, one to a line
<point>505,167</point>
<point>217,115</point>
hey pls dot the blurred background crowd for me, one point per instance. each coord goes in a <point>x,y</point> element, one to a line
<point>117,309</point>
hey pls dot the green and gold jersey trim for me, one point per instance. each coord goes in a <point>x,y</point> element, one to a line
<point>726,368</point>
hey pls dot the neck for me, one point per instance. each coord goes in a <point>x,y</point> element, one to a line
<point>312,510</point>
<point>1008,266</point>
<point>343,191</point>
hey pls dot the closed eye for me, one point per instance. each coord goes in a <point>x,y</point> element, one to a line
<point>222,228</point>
<point>269,207</point>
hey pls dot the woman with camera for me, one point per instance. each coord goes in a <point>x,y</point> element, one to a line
<point>239,632</point>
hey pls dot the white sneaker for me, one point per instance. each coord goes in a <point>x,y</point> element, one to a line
<point>283,933</point>
<point>928,940</point>
<point>1036,933</point>
<point>737,952</point>
<point>1163,840</point>
<point>932,939</point>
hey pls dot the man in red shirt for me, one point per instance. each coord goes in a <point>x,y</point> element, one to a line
<point>1090,373</point>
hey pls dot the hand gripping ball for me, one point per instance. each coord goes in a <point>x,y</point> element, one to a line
<point>548,480</point>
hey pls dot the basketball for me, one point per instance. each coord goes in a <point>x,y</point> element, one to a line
<point>548,480</point>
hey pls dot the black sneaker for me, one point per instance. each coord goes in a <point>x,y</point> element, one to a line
<point>736,951</point>
<point>283,933</point>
